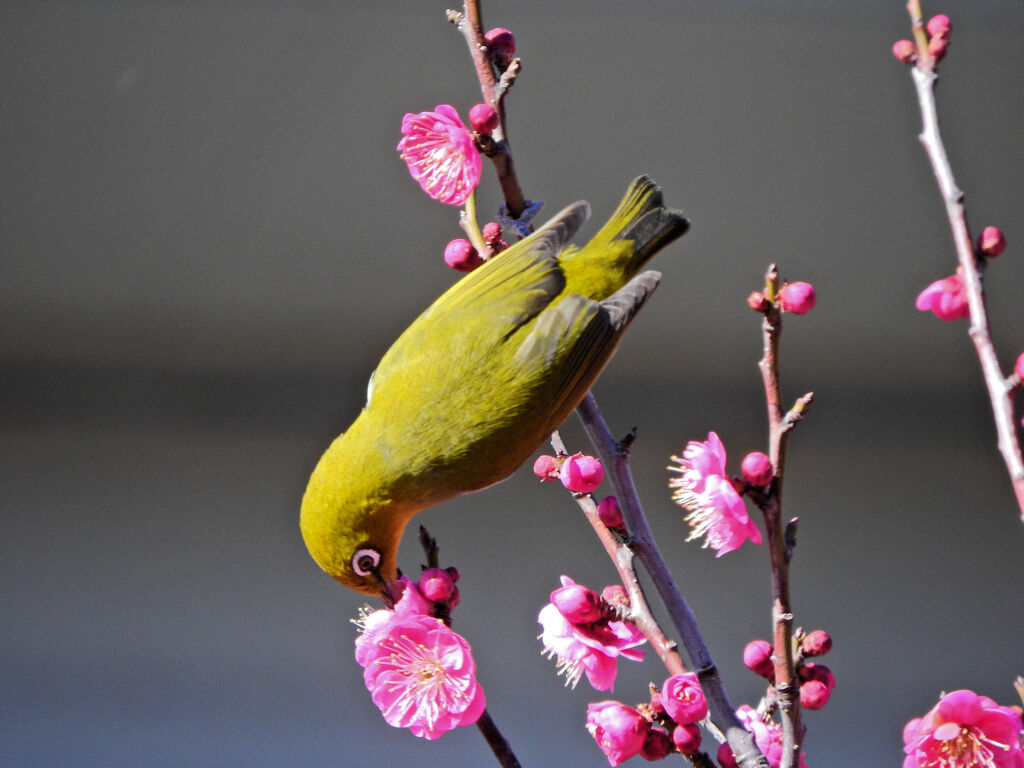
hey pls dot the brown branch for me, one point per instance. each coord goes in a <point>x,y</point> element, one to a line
<point>498,744</point>
<point>615,457</point>
<point>1000,387</point>
<point>493,89</point>
<point>780,537</point>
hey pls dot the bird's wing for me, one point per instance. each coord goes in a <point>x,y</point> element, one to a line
<point>487,306</point>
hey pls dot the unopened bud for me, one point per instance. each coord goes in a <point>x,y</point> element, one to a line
<point>483,118</point>
<point>686,738</point>
<point>940,26</point>
<point>757,469</point>
<point>609,512</point>
<point>454,598</point>
<point>491,233</point>
<point>436,585</point>
<point>725,757</point>
<point>816,643</point>
<point>546,467</point>
<point>757,657</point>
<point>577,603</point>
<point>453,572</point>
<point>819,672</point>
<point>905,51</point>
<point>502,46</point>
<point>992,242</point>
<point>757,302</point>
<point>461,255</point>
<point>581,474</point>
<point>797,298</point>
<point>657,745</point>
<point>814,694</point>
<point>937,47</point>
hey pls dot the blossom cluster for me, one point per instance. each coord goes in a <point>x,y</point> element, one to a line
<point>965,730</point>
<point>420,673</point>
<point>581,632</point>
<point>816,680</point>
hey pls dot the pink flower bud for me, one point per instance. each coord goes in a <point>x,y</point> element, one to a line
<point>483,118</point>
<point>819,672</point>
<point>615,595</point>
<point>991,243</point>
<point>620,731</point>
<point>683,699</point>
<point>937,47</point>
<point>757,302</point>
<point>454,598</point>
<point>492,233</point>
<point>725,757</point>
<point>454,573</point>
<point>940,26</point>
<point>757,469</point>
<point>757,656</point>
<point>797,298</point>
<point>657,745</point>
<point>581,474</point>
<point>946,298</point>
<point>461,255</point>
<point>502,45</point>
<point>686,738</point>
<point>1019,367</point>
<point>577,603</point>
<point>610,513</point>
<point>905,51</point>
<point>814,694</point>
<point>436,585</point>
<point>546,467</point>
<point>816,643</point>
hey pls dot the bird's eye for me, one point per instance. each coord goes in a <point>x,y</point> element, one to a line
<point>365,562</point>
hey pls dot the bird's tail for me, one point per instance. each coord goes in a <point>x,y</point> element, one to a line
<point>639,228</point>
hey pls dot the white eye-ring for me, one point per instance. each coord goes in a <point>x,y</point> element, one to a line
<point>365,562</point>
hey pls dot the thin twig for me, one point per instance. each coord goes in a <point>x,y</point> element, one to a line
<point>640,613</point>
<point>1000,387</point>
<point>640,540</point>
<point>493,89</point>
<point>498,744</point>
<point>780,544</point>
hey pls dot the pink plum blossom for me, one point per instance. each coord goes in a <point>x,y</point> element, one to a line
<point>619,730</point>
<point>946,298</point>
<point>683,699</point>
<point>716,510</point>
<point>439,150</point>
<point>964,730</point>
<point>421,674</point>
<point>592,648</point>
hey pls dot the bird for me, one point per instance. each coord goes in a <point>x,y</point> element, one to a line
<point>477,383</point>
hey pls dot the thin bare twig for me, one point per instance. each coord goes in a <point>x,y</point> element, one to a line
<point>640,540</point>
<point>1000,387</point>
<point>780,545</point>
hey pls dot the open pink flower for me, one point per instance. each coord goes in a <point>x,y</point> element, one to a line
<point>592,648</point>
<point>618,729</point>
<point>947,298</point>
<point>716,510</point>
<point>964,730</point>
<point>420,673</point>
<point>440,153</point>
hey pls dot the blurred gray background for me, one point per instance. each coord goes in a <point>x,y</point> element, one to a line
<point>208,240</point>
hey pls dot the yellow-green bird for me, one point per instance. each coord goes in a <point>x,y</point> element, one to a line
<point>478,381</point>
